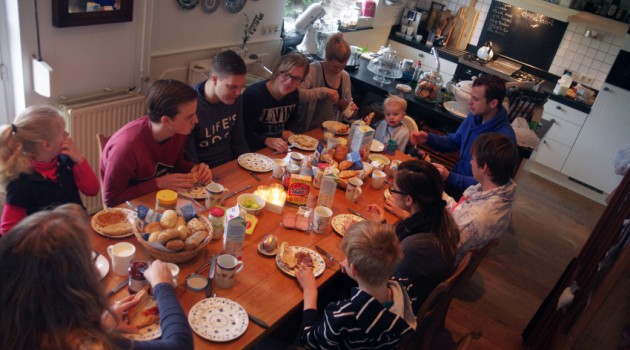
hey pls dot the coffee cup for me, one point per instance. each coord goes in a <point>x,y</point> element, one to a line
<point>296,158</point>
<point>121,255</point>
<point>279,168</point>
<point>353,191</point>
<point>215,193</point>
<point>174,271</point>
<point>321,218</point>
<point>393,167</point>
<point>227,268</point>
<point>378,179</point>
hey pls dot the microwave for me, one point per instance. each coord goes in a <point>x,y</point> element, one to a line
<point>620,72</point>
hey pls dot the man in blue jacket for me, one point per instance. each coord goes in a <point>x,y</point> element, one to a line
<point>487,114</point>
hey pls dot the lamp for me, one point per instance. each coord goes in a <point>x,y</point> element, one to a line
<point>304,24</point>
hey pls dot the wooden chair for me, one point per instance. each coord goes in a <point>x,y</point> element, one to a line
<point>432,313</point>
<point>523,103</point>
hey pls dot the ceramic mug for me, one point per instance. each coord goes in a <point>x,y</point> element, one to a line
<point>215,193</point>
<point>175,272</point>
<point>279,168</point>
<point>296,158</point>
<point>353,191</point>
<point>121,255</point>
<point>378,179</point>
<point>227,268</point>
<point>321,218</point>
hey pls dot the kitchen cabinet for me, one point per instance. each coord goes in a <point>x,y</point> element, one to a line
<point>558,142</point>
<point>447,68</point>
<point>605,131</point>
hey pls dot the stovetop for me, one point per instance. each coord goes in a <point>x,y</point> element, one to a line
<point>473,61</point>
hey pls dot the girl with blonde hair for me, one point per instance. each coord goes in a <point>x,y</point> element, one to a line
<point>40,167</point>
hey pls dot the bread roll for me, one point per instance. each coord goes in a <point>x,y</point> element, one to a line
<point>167,235</point>
<point>345,165</point>
<point>154,236</point>
<point>153,227</point>
<point>175,244</point>
<point>180,221</point>
<point>195,225</point>
<point>287,256</point>
<point>195,240</point>
<point>183,232</point>
<point>168,219</point>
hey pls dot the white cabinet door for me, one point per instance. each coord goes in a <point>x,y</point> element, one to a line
<point>607,128</point>
<point>447,68</point>
<point>551,154</point>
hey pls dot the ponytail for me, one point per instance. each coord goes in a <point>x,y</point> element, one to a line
<point>13,161</point>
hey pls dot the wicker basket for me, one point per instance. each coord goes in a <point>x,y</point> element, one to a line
<point>167,255</point>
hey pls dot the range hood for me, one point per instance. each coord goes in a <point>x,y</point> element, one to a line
<point>565,14</point>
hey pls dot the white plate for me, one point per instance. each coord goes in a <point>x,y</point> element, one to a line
<point>453,108</point>
<point>150,332</point>
<point>318,261</point>
<point>102,265</point>
<point>377,146</point>
<point>263,252</point>
<point>335,125</point>
<point>256,162</point>
<point>196,192</point>
<point>293,141</point>
<point>131,216</point>
<point>340,220</point>
<point>218,319</point>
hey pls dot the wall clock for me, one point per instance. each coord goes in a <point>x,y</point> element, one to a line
<point>187,4</point>
<point>234,6</point>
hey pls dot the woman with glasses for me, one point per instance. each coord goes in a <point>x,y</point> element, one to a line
<point>270,107</point>
<point>429,235</point>
<point>327,86</point>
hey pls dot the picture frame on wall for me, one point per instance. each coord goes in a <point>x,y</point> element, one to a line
<point>74,13</point>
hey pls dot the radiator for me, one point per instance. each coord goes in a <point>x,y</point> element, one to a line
<point>86,117</point>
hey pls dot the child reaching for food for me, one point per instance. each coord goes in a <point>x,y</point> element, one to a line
<point>392,127</point>
<point>40,167</point>
<point>379,311</point>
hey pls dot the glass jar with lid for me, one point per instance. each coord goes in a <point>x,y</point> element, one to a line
<point>217,218</point>
<point>165,199</point>
<point>137,281</point>
<point>429,86</point>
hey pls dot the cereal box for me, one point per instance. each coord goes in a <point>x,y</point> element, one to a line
<point>299,187</point>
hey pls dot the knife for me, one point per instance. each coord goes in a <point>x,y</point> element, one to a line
<point>326,254</point>
<point>236,192</point>
<point>254,175</point>
<point>213,264</point>
<point>257,321</point>
<point>115,290</point>
<point>356,213</point>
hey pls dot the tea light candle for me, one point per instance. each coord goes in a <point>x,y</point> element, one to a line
<point>274,196</point>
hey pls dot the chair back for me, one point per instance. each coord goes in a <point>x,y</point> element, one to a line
<point>101,141</point>
<point>523,103</point>
<point>410,123</point>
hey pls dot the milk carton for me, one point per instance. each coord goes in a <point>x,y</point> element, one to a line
<point>327,188</point>
<point>234,232</point>
<point>362,140</point>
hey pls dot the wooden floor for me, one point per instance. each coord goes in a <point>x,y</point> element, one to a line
<point>550,225</point>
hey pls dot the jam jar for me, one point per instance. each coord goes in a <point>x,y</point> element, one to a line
<point>217,218</point>
<point>137,281</point>
<point>165,199</point>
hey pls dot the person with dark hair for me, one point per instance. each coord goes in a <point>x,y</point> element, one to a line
<point>219,137</point>
<point>487,114</point>
<point>380,310</point>
<point>429,235</point>
<point>51,296</point>
<point>147,154</point>
<point>270,107</point>
<point>483,213</point>
<point>326,89</point>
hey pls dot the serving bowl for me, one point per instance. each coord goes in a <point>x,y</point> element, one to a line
<point>246,198</point>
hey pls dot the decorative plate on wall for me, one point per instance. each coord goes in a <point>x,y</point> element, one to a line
<point>234,6</point>
<point>210,6</point>
<point>187,4</point>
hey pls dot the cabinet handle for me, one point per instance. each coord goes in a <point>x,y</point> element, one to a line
<point>606,88</point>
<point>421,54</point>
<point>545,141</point>
<point>559,108</point>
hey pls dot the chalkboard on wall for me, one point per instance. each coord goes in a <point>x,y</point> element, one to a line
<point>522,35</point>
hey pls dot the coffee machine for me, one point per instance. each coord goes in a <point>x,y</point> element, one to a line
<point>410,23</point>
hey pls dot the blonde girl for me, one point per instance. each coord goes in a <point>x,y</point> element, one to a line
<point>40,167</point>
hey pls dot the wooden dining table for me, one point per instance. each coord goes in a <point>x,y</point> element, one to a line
<point>261,287</point>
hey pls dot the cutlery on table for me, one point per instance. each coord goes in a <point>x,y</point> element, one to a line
<point>133,207</point>
<point>258,321</point>
<point>213,264</point>
<point>115,290</point>
<point>229,195</point>
<point>326,254</point>
<point>254,175</point>
<point>352,211</point>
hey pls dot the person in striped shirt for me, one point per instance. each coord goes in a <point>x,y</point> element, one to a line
<point>379,311</point>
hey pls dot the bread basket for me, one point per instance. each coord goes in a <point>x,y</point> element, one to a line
<point>158,251</point>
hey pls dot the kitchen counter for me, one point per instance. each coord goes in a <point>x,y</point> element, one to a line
<point>547,87</point>
<point>445,52</point>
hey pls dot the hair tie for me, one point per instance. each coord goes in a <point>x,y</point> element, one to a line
<point>14,128</point>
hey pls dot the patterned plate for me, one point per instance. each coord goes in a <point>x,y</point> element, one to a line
<point>196,192</point>
<point>131,216</point>
<point>318,261</point>
<point>234,6</point>
<point>377,146</point>
<point>335,125</point>
<point>256,162</point>
<point>340,220</point>
<point>303,142</point>
<point>218,319</point>
<point>150,332</point>
<point>210,6</point>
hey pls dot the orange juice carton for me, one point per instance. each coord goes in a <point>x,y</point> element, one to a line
<point>299,187</point>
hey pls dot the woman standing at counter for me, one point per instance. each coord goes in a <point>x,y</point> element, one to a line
<point>329,83</point>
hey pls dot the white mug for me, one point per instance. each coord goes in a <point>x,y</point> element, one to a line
<point>321,218</point>
<point>227,268</point>
<point>121,255</point>
<point>296,158</point>
<point>175,272</point>
<point>215,193</point>
<point>353,191</point>
<point>378,165</point>
<point>393,167</point>
<point>279,168</point>
<point>378,179</point>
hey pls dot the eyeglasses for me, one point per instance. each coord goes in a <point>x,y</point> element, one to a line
<point>294,79</point>
<point>392,190</point>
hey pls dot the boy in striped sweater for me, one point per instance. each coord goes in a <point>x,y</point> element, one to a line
<point>379,311</point>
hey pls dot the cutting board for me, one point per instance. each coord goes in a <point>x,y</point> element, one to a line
<point>471,19</point>
<point>459,22</point>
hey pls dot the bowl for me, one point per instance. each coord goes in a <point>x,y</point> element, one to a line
<point>158,251</point>
<point>378,157</point>
<point>243,199</point>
